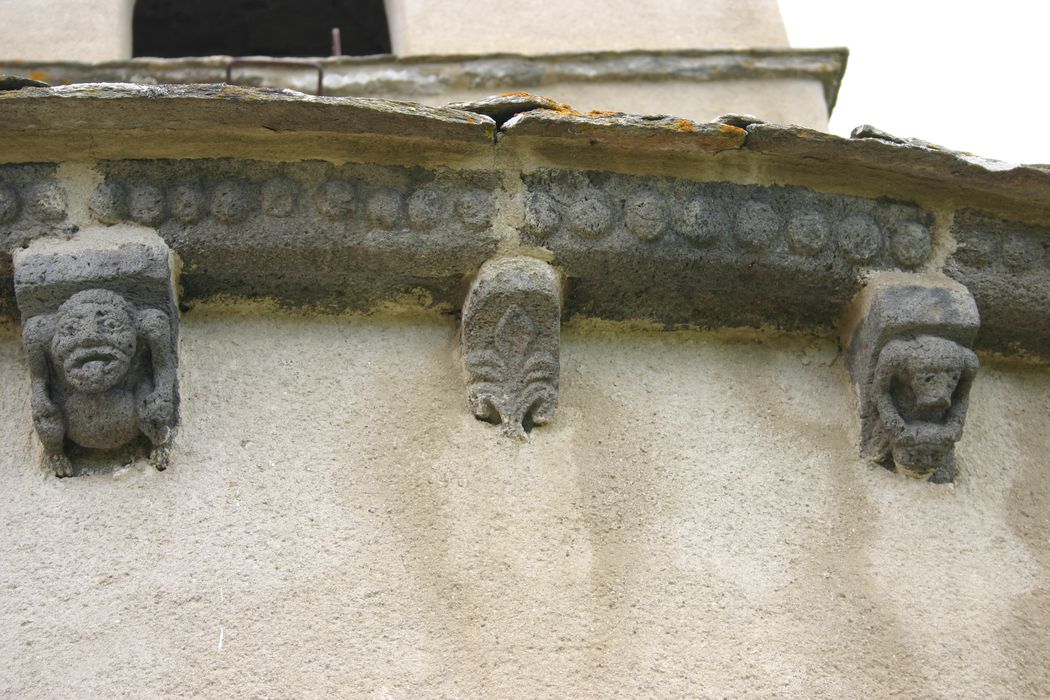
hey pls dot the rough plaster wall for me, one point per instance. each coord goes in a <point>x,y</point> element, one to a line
<point>100,30</point>
<point>50,30</point>
<point>421,27</point>
<point>788,101</point>
<point>694,523</point>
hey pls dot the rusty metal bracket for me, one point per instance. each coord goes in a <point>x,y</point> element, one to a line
<point>276,63</point>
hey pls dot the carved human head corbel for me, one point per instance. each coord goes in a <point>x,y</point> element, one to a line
<point>909,356</point>
<point>921,389</point>
<point>102,368</point>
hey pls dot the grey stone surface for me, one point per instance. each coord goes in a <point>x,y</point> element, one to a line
<point>432,75</point>
<point>709,253</point>
<point>757,225</point>
<point>427,207</point>
<point>311,233</point>
<point>859,238</point>
<point>511,334</point>
<point>32,204</point>
<point>808,232</point>
<point>10,203</point>
<point>626,131</point>
<point>910,359</point>
<point>1007,268</point>
<point>279,197</point>
<point>109,203</point>
<point>867,131</point>
<point>656,245</point>
<point>45,201</point>
<point>541,215</point>
<point>17,82</point>
<point>100,329</point>
<point>146,204</point>
<point>501,108</point>
<point>701,220</point>
<point>646,214</point>
<point>30,207</point>
<point>922,165</point>
<point>103,106</point>
<point>739,120</point>
<point>910,244</point>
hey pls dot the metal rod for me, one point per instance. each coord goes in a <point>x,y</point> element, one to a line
<point>337,42</point>
<point>278,63</point>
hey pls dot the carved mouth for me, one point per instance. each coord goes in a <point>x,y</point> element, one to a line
<point>95,358</point>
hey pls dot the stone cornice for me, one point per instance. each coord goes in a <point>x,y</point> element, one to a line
<point>422,76</point>
<point>349,203</point>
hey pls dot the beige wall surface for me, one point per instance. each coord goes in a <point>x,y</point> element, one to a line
<point>695,522</point>
<point>420,27</point>
<point>55,30</point>
<point>779,101</point>
<point>100,30</point>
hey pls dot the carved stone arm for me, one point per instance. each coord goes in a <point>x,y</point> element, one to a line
<point>157,410</point>
<point>891,362</point>
<point>961,399</point>
<point>47,416</point>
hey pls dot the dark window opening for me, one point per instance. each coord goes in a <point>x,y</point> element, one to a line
<point>173,28</point>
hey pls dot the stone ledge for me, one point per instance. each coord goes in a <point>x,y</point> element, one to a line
<point>421,76</point>
<point>729,223</point>
<point>104,106</point>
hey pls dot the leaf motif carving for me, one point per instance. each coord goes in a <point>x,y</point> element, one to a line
<point>513,378</point>
<point>514,333</point>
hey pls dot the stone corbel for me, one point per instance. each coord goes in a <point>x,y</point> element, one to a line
<point>100,328</point>
<point>908,343</point>
<point>511,336</point>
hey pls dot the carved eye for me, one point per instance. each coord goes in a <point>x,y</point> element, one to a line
<point>68,328</point>
<point>111,324</point>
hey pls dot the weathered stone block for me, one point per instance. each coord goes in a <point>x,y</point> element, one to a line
<point>310,233</point>
<point>716,254</point>
<point>511,334</point>
<point>100,328</point>
<point>1007,267</point>
<point>909,356</point>
<point>32,203</point>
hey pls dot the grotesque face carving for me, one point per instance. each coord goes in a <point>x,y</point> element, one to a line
<point>94,341</point>
<point>922,387</point>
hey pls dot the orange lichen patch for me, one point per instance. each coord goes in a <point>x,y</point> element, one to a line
<point>562,108</point>
<point>38,75</point>
<point>569,111</point>
<point>729,130</point>
<point>684,125</point>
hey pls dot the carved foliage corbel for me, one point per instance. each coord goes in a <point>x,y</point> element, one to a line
<point>511,332</point>
<point>909,356</point>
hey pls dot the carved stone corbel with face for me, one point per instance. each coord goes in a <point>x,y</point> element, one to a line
<point>921,388</point>
<point>910,359</point>
<point>102,368</point>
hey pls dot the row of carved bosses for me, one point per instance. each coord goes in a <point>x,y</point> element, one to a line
<point>808,227</point>
<point>100,329</point>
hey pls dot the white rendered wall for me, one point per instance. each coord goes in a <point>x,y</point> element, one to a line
<point>421,27</point>
<point>100,30</point>
<point>72,30</point>
<point>780,101</point>
<point>695,523</point>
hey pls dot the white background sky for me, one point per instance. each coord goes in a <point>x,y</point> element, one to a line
<point>972,76</point>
